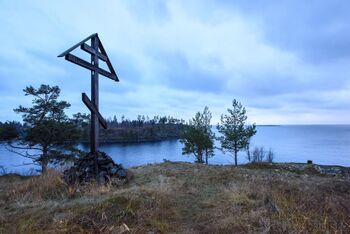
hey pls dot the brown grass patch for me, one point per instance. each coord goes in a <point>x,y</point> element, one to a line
<point>181,198</point>
<point>47,186</point>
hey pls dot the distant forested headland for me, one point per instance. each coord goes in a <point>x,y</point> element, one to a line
<point>142,129</point>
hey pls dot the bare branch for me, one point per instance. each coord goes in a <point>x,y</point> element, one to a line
<point>26,154</point>
<point>24,148</point>
<point>24,164</point>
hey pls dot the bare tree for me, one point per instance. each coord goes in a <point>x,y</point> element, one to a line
<point>270,156</point>
<point>259,154</point>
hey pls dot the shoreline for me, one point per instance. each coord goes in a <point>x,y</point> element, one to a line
<point>293,167</point>
<point>102,141</point>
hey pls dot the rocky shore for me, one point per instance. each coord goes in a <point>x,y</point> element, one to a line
<point>305,168</point>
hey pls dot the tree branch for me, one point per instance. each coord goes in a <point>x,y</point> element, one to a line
<point>24,148</point>
<point>26,155</point>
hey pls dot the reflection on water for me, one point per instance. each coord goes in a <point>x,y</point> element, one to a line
<point>324,144</point>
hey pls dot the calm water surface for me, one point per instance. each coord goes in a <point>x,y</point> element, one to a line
<point>324,144</point>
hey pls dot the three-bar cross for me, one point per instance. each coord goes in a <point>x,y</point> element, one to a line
<point>97,53</point>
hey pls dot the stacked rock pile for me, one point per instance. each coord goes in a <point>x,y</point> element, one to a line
<point>83,170</point>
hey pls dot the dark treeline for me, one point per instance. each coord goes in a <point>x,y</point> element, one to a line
<point>141,129</point>
<point>82,120</point>
<point>125,130</point>
<point>10,130</point>
<point>142,120</point>
<point>119,131</point>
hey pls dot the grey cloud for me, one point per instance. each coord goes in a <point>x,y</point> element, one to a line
<point>149,10</point>
<point>317,30</point>
<point>178,56</point>
<point>179,74</point>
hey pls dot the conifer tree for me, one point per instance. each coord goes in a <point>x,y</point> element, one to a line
<point>198,138</point>
<point>47,129</point>
<point>234,129</point>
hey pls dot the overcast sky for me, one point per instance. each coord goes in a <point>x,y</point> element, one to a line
<point>288,62</point>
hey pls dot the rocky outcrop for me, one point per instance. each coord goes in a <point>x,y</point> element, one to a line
<point>83,170</point>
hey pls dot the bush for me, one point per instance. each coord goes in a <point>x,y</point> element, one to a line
<point>259,154</point>
<point>270,156</point>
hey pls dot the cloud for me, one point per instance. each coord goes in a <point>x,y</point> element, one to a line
<point>286,61</point>
<point>317,30</point>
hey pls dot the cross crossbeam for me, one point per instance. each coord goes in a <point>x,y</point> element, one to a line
<point>93,109</point>
<point>90,50</point>
<point>78,61</point>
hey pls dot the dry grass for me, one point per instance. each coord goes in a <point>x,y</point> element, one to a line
<point>180,198</point>
<point>49,185</point>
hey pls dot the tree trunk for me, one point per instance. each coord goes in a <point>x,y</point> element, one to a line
<point>206,156</point>
<point>44,161</point>
<point>200,156</point>
<point>248,154</point>
<point>236,151</point>
<point>235,157</point>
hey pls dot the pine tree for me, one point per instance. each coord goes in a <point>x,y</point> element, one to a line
<point>198,138</point>
<point>235,132</point>
<point>47,128</point>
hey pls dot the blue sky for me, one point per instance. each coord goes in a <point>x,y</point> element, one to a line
<point>288,62</point>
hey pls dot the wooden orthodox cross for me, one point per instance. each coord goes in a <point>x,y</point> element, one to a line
<point>97,53</point>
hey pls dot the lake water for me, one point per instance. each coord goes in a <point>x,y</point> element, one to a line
<point>324,144</point>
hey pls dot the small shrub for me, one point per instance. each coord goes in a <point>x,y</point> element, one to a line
<point>270,156</point>
<point>259,154</point>
<point>311,169</point>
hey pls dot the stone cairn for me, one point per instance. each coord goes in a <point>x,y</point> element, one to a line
<point>83,170</point>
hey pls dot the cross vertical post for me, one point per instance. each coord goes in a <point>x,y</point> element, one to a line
<point>94,98</point>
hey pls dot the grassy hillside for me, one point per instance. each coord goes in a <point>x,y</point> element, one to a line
<point>181,198</point>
